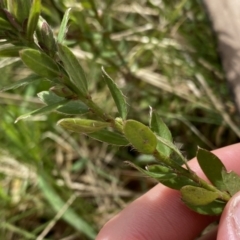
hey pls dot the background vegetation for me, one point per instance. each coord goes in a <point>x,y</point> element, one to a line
<point>162,54</point>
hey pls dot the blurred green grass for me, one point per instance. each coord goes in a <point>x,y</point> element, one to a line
<point>155,51</point>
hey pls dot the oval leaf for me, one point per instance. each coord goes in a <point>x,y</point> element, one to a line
<point>71,107</point>
<point>117,95</point>
<point>40,63</point>
<point>140,136</point>
<point>74,69</point>
<point>163,173</point>
<point>109,137</point>
<point>212,167</point>
<point>214,208</point>
<point>82,125</point>
<point>197,196</point>
<point>178,182</point>
<point>231,181</point>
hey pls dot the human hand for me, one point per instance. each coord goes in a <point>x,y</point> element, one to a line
<point>161,215</point>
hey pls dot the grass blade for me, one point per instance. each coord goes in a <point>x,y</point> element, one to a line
<point>20,83</point>
<point>69,216</point>
<point>63,26</point>
<point>33,18</point>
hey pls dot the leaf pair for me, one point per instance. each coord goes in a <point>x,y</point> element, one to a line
<point>216,172</point>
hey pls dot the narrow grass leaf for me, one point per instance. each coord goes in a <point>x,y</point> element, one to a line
<point>63,26</point>
<point>42,110</point>
<point>70,215</point>
<point>212,167</point>
<point>40,63</point>
<point>197,196</point>
<point>160,128</point>
<point>12,51</point>
<point>117,95</point>
<point>109,137</point>
<point>33,18</point>
<point>140,136</point>
<point>28,80</point>
<point>82,125</point>
<point>74,69</point>
<point>231,181</point>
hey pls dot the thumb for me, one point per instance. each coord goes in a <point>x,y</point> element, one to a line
<point>229,226</point>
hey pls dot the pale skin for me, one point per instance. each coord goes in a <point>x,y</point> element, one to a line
<point>160,214</point>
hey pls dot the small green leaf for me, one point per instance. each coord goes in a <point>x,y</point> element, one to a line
<point>28,80</point>
<point>178,182</point>
<point>214,208</point>
<point>174,148</point>
<point>156,171</point>
<point>42,110</point>
<point>73,69</point>
<point>140,136</point>
<point>231,181</point>
<point>33,18</point>
<point>117,95</point>
<point>161,129</point>
<point>165,175</point>
<point>197,196</point>
<point>12,51</point>
<point>109,137</point>
<point>72,107</point>
<point>63,26</point>
<point>82,125</point>
<point>40,63</point>
<point>212,167</point>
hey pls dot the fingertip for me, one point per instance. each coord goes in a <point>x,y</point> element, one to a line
<point>229,226</point>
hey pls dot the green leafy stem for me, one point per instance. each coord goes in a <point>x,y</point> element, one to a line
<point>26,34</point>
